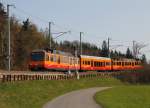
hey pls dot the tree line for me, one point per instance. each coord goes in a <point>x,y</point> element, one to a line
<point>26,37</point>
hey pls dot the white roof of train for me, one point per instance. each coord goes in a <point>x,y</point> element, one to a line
<point>95,57</point>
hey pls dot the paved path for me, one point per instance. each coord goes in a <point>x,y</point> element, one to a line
<point>76,99</point>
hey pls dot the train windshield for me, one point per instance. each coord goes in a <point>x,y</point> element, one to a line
<point>37,56</point>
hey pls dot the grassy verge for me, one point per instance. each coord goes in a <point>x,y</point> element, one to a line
<point>33,94</point>
<point>125,97</point>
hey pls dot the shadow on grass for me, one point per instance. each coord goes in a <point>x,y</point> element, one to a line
<point>136,77</point>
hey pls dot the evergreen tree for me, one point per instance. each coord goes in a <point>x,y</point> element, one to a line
<point>104,51</point>
<point>27,39</point>
<point>128,53</point>
<point>3,38</point>
<point>143,59</point>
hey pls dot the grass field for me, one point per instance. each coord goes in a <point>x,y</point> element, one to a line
<point>125,97</point>
<point>33,94</point>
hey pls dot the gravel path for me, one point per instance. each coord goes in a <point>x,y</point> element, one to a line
<point>76,99</point>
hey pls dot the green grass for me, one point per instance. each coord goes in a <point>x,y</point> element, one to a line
<point>125,97</point>
<point>34,94</point>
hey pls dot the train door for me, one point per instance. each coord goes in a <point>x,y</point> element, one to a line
<point>59,59</point>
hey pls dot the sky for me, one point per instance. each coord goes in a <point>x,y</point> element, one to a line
<point>121,20</point>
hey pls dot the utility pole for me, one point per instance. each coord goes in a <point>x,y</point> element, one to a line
<point>108,47</point>
<point>77,73</point>
<point>50,36</point>
<point>81,43</point>
<point>9,47</point>
<point>134,55</point>
<point>80,48</point>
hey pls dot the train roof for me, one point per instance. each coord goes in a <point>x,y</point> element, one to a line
<point>38,50</point>
<point>95,57</point>
<point>53,52</point>
<point>125,59</point>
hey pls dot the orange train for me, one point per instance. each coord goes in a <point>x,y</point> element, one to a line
<point>57,60</point>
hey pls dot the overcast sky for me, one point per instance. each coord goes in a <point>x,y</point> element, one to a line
<point>121,20</point>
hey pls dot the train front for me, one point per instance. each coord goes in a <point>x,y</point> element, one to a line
<point>37,60</point>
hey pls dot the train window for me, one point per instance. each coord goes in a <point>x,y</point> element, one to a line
<point>100,64</point>
<point>47,57</point>
<point>70,61</point>
<point>83,62</point>
<point>108,63</point>
<point>61,59</point>
<point>51,58</point>
<point>128,63</point>
<point>97,64</point>
<point>103,64</point>
<point>117,63</point>
<point>54,58</point>
<point>122,63</point>
<point>58,60</point>
<point>94,64</point>
<point>88,62</point>
<point>64,59</point>
<point>132,63</point>
<point>114,63</point>
<point>139,63</point>
<point>77,61</point>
